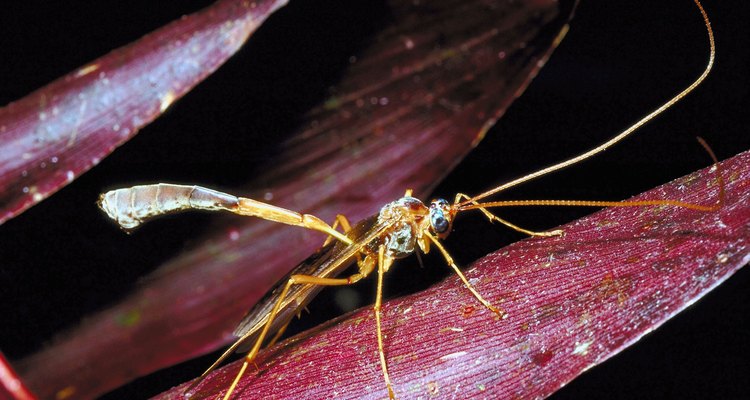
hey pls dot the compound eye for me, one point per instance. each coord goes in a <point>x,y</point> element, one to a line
<point>441,203</point>
<point>439,222</point>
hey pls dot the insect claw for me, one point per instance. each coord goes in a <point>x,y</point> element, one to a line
<point>500,313</point>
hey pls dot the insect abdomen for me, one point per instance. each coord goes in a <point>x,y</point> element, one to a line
<point>132,206</point>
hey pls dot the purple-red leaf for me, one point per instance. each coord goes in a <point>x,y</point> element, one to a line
<point>419,97</point>
<point>573,302</point>
<point>60,131</point>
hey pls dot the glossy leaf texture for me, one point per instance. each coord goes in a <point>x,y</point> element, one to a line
<point>420,95</point>
<point>60,131</point>
<point>573,302</point>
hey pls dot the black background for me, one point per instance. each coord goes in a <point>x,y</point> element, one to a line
<point>61,259</point>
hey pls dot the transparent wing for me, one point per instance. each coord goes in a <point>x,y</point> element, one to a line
<point>328,261</point>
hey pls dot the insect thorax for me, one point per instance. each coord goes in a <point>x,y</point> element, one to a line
<point>405,217</point>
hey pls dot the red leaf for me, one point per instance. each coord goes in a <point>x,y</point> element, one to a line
<point>60,131</point>
<point>573,302</point>
<point>11,386</point>
<point>443,86</point>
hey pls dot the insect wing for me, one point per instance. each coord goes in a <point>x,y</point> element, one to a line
<point>328,261</point>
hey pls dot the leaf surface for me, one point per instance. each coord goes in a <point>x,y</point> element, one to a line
<point>573,302</point>
<point>61,130</point>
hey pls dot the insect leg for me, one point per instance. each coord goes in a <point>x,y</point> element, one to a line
<point>383,265</point>
<point>278,334</point>
<point>345,226</point>
<point>188,393</point>
<point>293,280</point>
<point>500,313</point>
<point>493,217</point>
<point>344,222</point>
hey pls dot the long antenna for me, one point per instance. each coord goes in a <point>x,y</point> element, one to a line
<point>621,135</point>
<point>626,203</point>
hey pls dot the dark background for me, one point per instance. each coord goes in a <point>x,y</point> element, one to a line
<point>61,260</point>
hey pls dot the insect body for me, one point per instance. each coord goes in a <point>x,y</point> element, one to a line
<point>400,228</point>
<point>395,232</point>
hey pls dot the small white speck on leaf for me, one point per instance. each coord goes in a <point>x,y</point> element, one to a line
<point>582,348</point>
<point>451,356</point>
